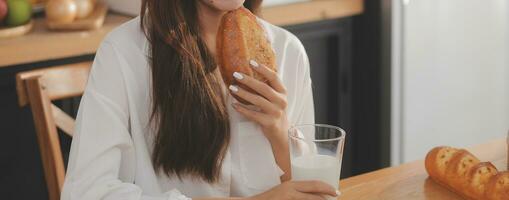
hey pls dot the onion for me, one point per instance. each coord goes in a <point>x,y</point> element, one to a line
<point>85,7</point>
<point>62,11</point>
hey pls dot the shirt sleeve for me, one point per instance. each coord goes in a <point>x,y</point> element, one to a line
<point>101,162</point>
<point>305,110</point>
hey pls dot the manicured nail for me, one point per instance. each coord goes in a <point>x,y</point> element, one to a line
<point>238,76</point>
<point>233,88</point>
<point>338,192</point>
<point>253,63</point>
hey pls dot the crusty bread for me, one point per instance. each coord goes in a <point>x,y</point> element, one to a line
<point>461,172</point>
<point>457,170</point>
<point>498,187</point>
<point>437,160</point>
<point>241,38</point>
<point>478,178</point>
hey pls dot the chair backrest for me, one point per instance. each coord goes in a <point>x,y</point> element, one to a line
<point>38,88</point>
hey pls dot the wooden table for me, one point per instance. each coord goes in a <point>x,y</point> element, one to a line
<point>410,181</point>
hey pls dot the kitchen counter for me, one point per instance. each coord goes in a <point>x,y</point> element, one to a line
<point>315,10</point>
<point>410,181</point>
<point>42,44</point>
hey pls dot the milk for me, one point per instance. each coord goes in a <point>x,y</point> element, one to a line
<point>317,167</point>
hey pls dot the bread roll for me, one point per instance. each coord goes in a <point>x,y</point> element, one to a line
<point>478,178</point>
<point>241,38</point>
<point>457,170</point>
<point>437,160</point>
<point>498,187</point>
<point>461,172</point>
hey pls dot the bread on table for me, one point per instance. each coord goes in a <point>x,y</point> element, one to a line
<point>241,38</point>
<point>478,179</point>
<point>460,165</point>
<point>498,187</point>
<point>437,160</point>
<point>461,172</point>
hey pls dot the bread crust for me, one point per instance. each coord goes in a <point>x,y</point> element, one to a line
<point>241,38</point>
<point>461,172</point>
<point>437,157</point>
<point>498,187</point>
<point>459,167</point>
<point>478,178</point>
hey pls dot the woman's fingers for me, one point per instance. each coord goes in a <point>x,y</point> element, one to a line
<point>261,88</point>
<point>306,196</point>
<point>252,115</point>
<point>317,187</point>
<point>256,100</point>
<point>270,75</point>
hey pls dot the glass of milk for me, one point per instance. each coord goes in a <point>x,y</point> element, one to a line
<point>316,152</point>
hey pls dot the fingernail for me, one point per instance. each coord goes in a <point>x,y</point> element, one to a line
<point>338,193</point>
<point>238,76</point>
<point>253,63</point>
<point>233,88</point>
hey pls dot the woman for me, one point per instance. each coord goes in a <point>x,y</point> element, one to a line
<point>157,122</point>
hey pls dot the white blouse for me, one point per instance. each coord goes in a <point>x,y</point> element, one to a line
<point>111,150</point>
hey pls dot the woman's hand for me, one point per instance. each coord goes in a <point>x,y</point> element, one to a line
<point>291,190</point>
<point>298,190</point>
<point>270,101</point>
<point>271,113</point>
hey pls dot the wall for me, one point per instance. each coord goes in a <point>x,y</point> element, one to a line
<point>453,79</point>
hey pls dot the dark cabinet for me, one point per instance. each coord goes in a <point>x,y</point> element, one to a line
<point>348,88</point>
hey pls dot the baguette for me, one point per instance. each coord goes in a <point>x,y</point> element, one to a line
<point>478,178</point>
<point>461,172</point>
<point>241,38</point>
<point>437,160</point>
<point>460,165</point>
<point>498,187</point>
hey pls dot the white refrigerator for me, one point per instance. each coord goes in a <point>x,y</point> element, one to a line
<point>450,74</point>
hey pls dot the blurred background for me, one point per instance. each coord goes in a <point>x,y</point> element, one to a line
<point>400,76</point>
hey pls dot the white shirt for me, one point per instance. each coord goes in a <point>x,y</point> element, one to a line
<point>111,150</point>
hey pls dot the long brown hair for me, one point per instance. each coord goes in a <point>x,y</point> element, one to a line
<point>188,108</point>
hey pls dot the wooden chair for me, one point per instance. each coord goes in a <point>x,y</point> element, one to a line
<point>38,88</point>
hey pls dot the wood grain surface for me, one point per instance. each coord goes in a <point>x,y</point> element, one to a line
<point>316,10</point>
<point>42,44</point>
<point>410,181</point>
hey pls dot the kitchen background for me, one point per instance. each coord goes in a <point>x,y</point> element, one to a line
<point>401,76</point>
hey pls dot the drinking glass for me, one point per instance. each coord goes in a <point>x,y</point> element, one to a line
<point>316,153</point>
